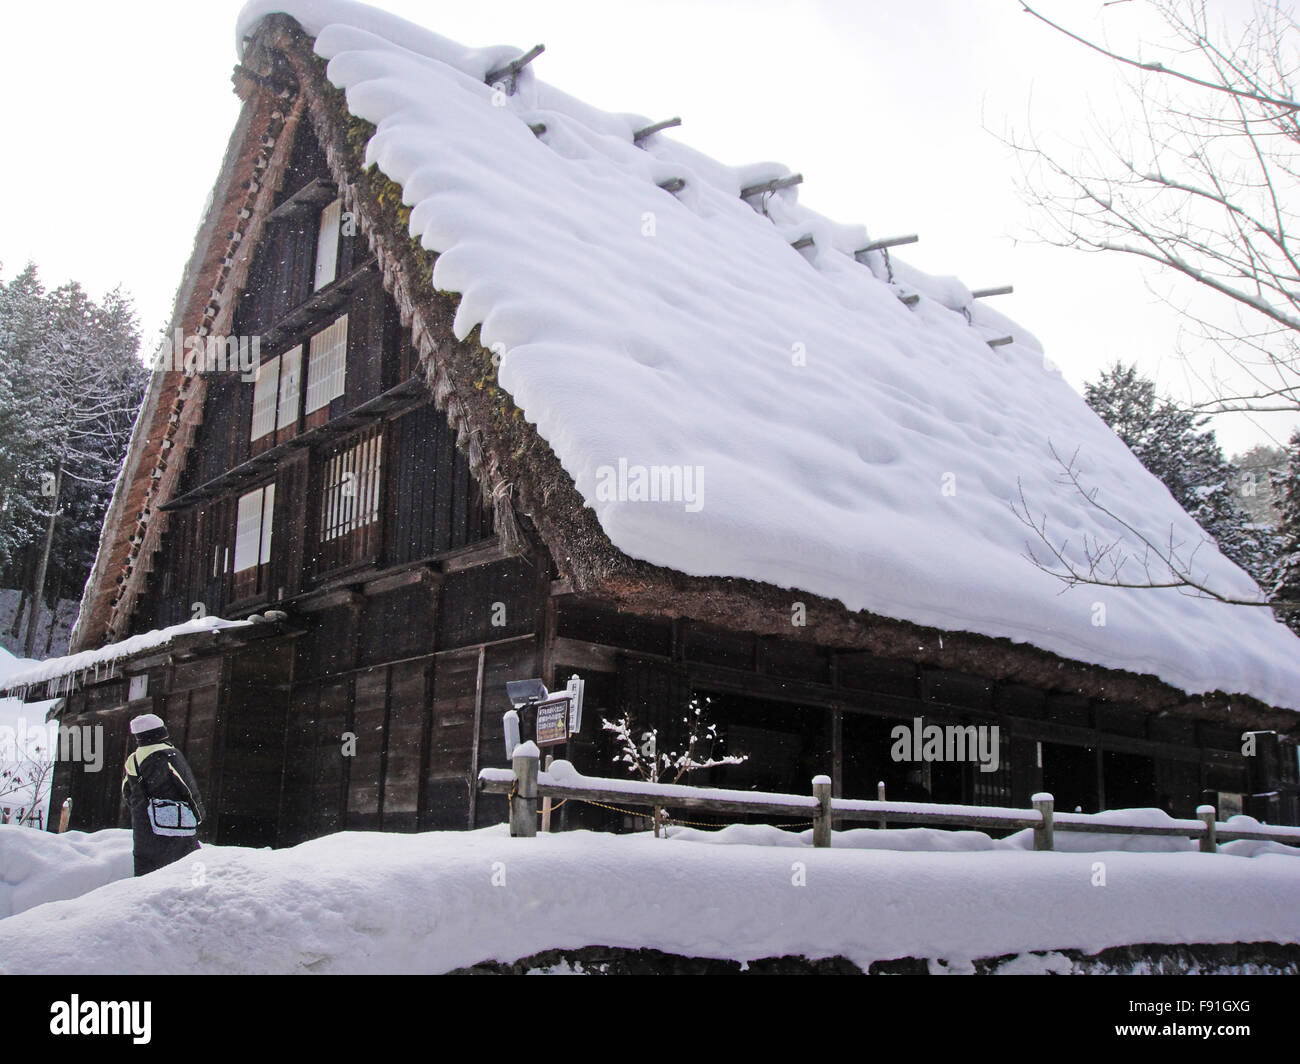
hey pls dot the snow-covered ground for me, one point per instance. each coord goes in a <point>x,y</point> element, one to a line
<point>376,902</point>
<point>38,867</point>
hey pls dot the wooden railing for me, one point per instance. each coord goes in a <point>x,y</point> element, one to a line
<point>525,786</point>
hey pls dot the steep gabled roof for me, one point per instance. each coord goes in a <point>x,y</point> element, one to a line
<point>841,442</point>
<point>835,440</point>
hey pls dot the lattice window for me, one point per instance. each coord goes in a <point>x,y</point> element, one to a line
<point>327,364</point>
<point>350,475</point>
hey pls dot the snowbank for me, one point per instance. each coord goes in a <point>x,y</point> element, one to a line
<point>373,902</point>
<point>824,436</point>
<point>38,867</point>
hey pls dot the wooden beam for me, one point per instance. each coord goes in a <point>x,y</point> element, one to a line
<point>803,242</point>
<point>984,293</point>
<point>584,655</point>
<point>775,185</point>
<point>910,300</point>
<point>478,733</point>
<point>667,123</point>
<point>514,66</point>
<point>538,128</point>
<point>313,194</point>
<point>1002,341</point>
<point>887,242</point>
<point>673,184</point>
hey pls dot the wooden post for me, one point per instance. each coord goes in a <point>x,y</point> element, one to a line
<point>1209,844</point>
<point>546,802</point>
<point>1044,833</point>
<point>822,818</point>
<point>65,814</point>
<point>880,797</point>
<point>523,803</point>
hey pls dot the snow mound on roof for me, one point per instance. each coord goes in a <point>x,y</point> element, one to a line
<point>370,902</point>
<point>825,437</point>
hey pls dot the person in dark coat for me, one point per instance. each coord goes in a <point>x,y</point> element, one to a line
<point>162,796</point>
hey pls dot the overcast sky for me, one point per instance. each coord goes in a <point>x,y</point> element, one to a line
<point>117,114</point>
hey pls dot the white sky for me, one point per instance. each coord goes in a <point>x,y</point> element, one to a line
<point>117,115</point>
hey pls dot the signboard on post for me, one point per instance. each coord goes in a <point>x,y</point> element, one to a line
<point>574,690</point>
<point>553,721</point>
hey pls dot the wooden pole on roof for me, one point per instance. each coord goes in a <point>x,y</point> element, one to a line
<point>667,123</point>
<point>774,185</point>
<point>514,66</point>
<point>887,242</point>
<point>984,293</point>
<point>673,184</point>
<point>1002,341</point>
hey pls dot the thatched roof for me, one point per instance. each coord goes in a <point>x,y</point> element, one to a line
<point>859,452</point>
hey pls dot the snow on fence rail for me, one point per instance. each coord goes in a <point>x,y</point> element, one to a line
<point>524,785</point>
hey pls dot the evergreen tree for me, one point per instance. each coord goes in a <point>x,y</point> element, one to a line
<point>1175,446</point>
<point>72,383</point>
<point>22,315</point>
<point>1287,586</point>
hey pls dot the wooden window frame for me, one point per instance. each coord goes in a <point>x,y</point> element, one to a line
<point>253,579</point>
<point>348,525</point>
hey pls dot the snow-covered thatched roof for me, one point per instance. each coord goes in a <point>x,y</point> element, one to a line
<point>830,437</point>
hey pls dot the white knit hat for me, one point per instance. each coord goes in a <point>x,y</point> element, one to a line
<point>147,722</point>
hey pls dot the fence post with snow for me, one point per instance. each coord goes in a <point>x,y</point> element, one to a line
<point>525,787</point>
<point>523,798</point>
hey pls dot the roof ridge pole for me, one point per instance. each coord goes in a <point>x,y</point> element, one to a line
<point>507,74</point>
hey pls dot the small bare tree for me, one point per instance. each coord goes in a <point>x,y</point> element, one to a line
<point>645,759</point>
<point>25,785</point>
<point>1203,180</point>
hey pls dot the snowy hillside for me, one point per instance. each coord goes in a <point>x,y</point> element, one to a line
<point>826,436</point>
<point>55,640</point>
<point>373,902</point>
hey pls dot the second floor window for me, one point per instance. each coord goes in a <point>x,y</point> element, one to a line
<point>348,527</point>
<point>265,392</point>
<point>275,393</point>
<point>327,362</point>
<point>253,520</point>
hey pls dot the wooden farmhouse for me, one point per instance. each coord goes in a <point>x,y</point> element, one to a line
<point>482,310</point>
